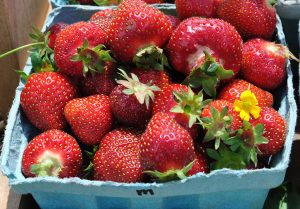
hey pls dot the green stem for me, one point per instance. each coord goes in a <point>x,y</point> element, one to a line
<point>20,48</point>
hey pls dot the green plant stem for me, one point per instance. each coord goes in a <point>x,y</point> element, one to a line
<point>20,48</point>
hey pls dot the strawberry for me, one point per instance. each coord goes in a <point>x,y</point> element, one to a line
<point>175,21</point>
<point>194,48</point>
<point>102,18</point>
<point>275,130</point>
<point>44,97</point>
<point>54,30</point>
<point>191,8</point>
<point>52,153</point>
<point>101,83</point>
<point>79,48</point>
<point>155,77</point>
<point>264,63</point>
<point>90,118</point>
<point>118,158</point>
<point>235,88</point>
<point>138,32</point>
<point>166,148</point>
<point>236,122</point>
<point>131,101</point>
<point>185,108</point>
<point>252,18</point>
<point>200,164</point>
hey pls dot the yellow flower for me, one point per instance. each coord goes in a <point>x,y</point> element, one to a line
<point>247,105</point>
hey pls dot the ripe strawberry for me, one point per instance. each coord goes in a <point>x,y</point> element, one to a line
<point>196,35</point>
<point>166,148</point>
<point>264,63</point>
<point>90,118</point>
<point>189,108</point>
<point>137,32</point>
<point>118,158</point>
<point>102,18</point>
<point>101,83</point>
<point>174,21</point>
<point>219,105</point>
<point>131,101</point>
<point>235,88</point>
<point>54,30</point>
<point>155,77</point>
<point>191,8</point>
<point>44,97</point>
<point>275,129</point>
<point>79,48</point>
<point>252,18</point>
<point>194,49</point>
<point>52,153</point>
<point>200,164</point>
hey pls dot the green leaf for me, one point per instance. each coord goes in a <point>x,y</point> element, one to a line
<point>213,154</point>
<point>23,75</point>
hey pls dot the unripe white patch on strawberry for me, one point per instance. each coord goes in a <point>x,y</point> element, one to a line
<point>197,59</point>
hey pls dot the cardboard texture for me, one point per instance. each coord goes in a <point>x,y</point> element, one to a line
<point>289,9</point>
<point>219,189</point>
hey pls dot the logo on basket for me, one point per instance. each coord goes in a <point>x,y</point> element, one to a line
<point>144,192</point>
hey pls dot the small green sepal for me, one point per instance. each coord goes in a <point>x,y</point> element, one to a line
<point>208,75</point>
<point>151,57</point>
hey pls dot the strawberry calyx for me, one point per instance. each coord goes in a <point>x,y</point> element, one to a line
<point>49,165</point>
<point>151,57</point>
<point>93,59</point>
<point>171,174</point>
<point>217,126</point>
<point>142,92</point>
<point>104,2</point>
<point>226,158</point>
<point>246,141</point>
<point>281,50</point>
<point>190,104</point>
<point>208,75</point>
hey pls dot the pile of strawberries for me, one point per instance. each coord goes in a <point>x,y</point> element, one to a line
<point>134,95</point>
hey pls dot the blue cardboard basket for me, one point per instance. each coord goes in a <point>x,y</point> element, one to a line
<point>220,189</point>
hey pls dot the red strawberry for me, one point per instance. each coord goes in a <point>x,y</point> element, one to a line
<point>118,158</point>
<point>52,153</point>
<point>102,18</point>
<point>44,97</point>
<point>155,77</point>
<point>78,49</point>
<point>54,30</point>
<point>235,88</point>
<point>200,164</point>
<point>102,14</point>
<point>252,18</point>
<point>131,101</point>
<point>101,83</point>
<point>174,21</point>
<point>264,63</point>
<point>196,35</point>
<point>90,118</point>
<point>275,129</point>
<point>191,8</point>
<point>166,102</point>
<point>219,105</point>
<point>166,147</point>
<point>138,30</point>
